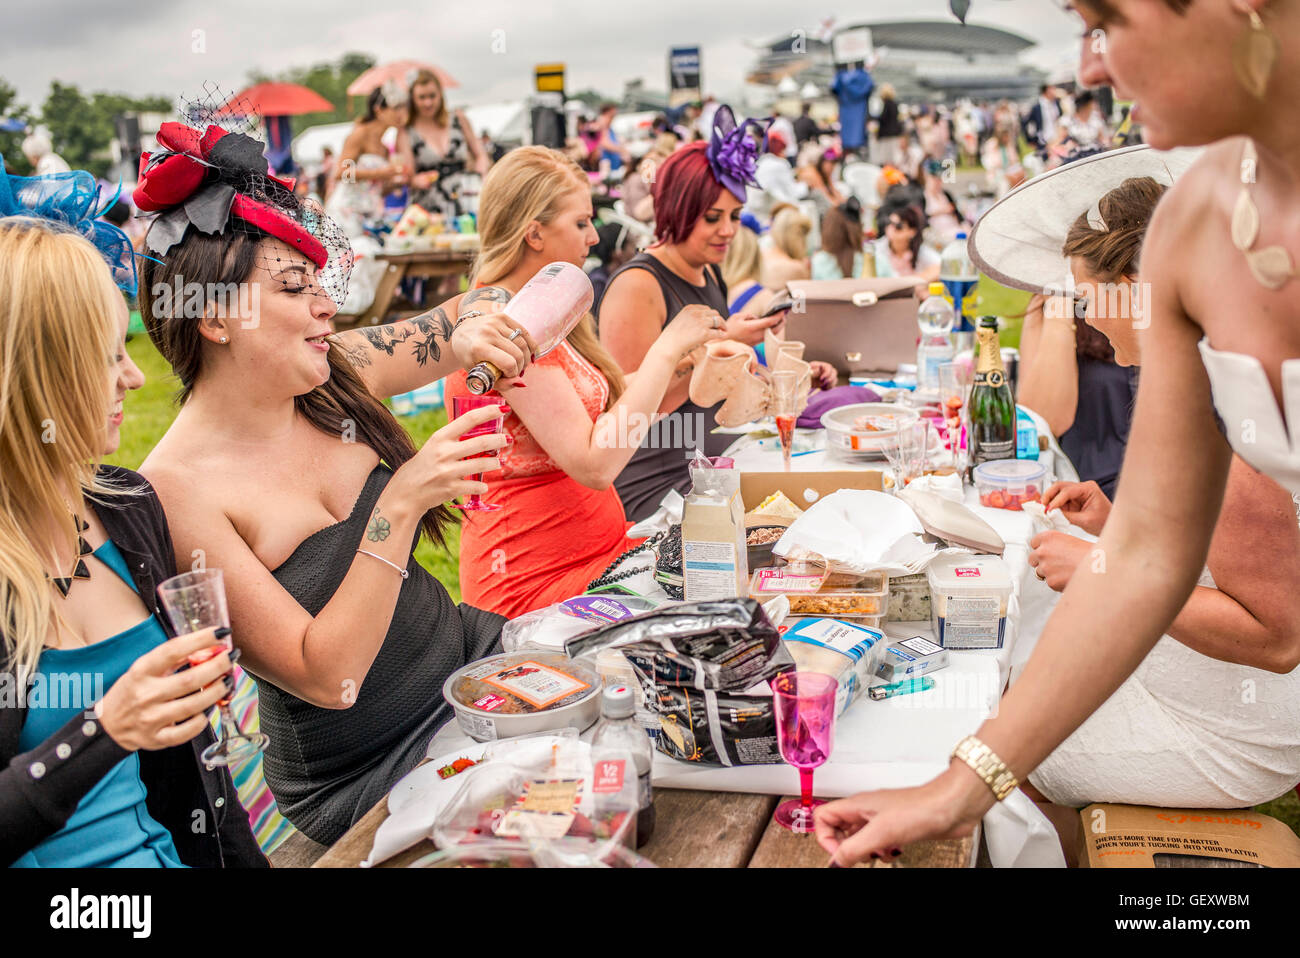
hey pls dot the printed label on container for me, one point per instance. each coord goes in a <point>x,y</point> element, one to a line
<point>972,622</point>
<point>851,640</point>
<point>536,684</point>
<point>773,580</point>
<point>966,572</point>
<point>479,728</point>
<point>608,777</point>
<point>490,702</point>
<point>708,570</point>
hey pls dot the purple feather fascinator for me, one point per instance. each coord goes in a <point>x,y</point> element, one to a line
<point>733,151</point>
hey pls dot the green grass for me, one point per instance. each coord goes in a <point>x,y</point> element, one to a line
<point>151,409</point>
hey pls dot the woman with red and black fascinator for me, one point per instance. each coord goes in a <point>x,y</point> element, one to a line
<point>285,470</point>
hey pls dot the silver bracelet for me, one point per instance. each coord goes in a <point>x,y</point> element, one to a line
<point>404,574</point>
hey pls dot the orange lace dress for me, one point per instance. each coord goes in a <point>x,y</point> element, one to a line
<point>552,535</point>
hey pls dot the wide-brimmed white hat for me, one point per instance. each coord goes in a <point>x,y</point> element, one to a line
<point>1018,241</point>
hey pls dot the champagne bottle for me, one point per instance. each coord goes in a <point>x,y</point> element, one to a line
<point>992,409</point>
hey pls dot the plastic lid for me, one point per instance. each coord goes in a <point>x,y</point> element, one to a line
<point>1010,471</point>
<point>617,702</point>
<point>969,573</point>
<point>937,289</point>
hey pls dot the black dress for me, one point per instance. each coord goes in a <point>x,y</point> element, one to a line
<point>1096,440</point>
<point>328,767</point>
<point>660,463</point>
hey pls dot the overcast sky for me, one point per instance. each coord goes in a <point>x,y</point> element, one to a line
<point>151,46</point>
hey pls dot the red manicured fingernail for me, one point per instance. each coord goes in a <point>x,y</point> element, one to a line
<point>895,852</point>
<point>874,855</point>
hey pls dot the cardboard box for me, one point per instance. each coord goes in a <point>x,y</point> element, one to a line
<point>1139,836</point>
<point>805,488</point>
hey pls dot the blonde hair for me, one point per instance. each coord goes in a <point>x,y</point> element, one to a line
<point>744,259</point>
<point>58,330</point>
<point>790,230</point>
<point>530,184</point>
<point>421,78</point>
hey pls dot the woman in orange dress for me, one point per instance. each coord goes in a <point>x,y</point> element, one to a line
<point>577,419</point>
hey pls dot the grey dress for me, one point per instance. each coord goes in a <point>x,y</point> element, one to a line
<point>328,767</point>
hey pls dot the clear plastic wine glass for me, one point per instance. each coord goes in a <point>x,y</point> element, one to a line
<point>785,384</point>
<point>194,601</point>
<point>459,406</point>
<point>805,726</point>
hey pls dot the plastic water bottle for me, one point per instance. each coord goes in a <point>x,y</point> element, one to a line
<point>935,317</point>
<point>619,729</point>
<point>958,275</point>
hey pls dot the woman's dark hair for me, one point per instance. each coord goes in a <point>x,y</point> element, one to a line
<point>340,404</point>
<point>374,103</point>
<point>913,217</point>
<point>842,234</point>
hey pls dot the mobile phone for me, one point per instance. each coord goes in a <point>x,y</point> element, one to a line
<point>780,306</point>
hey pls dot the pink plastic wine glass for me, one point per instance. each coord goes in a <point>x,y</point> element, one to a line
<point>805,725</point>
<point>459,406</point>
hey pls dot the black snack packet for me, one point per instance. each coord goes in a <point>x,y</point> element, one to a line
<point>721,644</point>
<point>713,728</point>
<point>694,663</point>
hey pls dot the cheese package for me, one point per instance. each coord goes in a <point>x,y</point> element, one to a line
<point>843,650</point>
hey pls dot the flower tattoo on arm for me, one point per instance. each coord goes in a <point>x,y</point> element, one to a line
<point>379,528</point>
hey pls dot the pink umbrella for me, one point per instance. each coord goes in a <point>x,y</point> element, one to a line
<point>277,99</point>
<point>401,72</point>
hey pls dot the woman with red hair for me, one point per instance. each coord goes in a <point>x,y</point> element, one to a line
<point>698,195</point>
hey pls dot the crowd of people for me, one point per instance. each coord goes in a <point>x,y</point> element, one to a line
<point>285,469</point>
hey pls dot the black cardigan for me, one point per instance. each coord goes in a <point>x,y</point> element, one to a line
<point>39,790</point>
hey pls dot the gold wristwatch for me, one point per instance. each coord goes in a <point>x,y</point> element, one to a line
<point>985,763</point>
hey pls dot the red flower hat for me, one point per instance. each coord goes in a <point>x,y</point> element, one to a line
<point>197,182</point>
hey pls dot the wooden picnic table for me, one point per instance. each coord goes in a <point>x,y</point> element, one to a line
<point>431,264</point>
<point>693,829</point>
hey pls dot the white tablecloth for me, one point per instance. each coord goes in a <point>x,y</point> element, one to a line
<point>903,741</point>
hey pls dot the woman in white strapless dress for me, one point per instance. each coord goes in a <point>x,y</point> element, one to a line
<point>1211,718</point>
<point>1218,265</point>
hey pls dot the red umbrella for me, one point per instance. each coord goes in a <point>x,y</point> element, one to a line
<point>277,99</point>
<point>401,72</point>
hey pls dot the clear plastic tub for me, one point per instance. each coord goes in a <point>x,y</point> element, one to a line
<point>1008,483</point>
<point>909,598</point>
<point>839,596</point>
<point>968,601</point>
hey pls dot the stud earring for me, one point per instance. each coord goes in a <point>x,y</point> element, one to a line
<point>223,340</point>
<point>1254,55</point>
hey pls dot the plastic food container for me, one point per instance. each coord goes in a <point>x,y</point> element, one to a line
<point>1007,483</point>
<point>968,601</point>
<point>864,429</point>
<point>843,649</point>
<point>558,853</point>
<point>909,598</point>
<point>760,553</point>
<point>519,693</point>
<point>836,595</point>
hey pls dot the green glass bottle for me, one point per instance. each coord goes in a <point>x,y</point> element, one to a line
<point>992,409</point>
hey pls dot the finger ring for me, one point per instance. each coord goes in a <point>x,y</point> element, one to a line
<point>472,314</point>
<point>515,335</point>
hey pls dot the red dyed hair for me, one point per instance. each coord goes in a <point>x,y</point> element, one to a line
<point>685,188</point>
